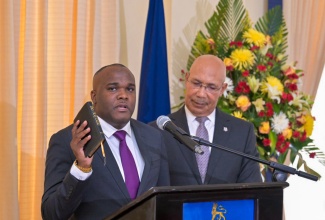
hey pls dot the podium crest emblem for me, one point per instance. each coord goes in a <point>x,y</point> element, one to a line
<point>218,212</point>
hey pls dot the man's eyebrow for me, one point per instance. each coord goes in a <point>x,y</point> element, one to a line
<point>116,83</point>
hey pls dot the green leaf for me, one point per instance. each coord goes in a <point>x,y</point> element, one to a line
<point>273,139</point>
<point>236,20</point>
<point>271,22</point>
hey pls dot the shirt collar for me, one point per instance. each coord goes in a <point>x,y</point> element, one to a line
<point>109,130</point>
<point>191,118</point>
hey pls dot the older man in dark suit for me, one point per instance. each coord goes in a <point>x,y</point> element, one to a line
<point>205,83</point>
<point>79,187</point>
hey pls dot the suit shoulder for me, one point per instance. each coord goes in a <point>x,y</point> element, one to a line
<point>150,128</point>
<point>64,131</point>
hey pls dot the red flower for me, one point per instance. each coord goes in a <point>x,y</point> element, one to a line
<point>261,114</point>
<point>239,44</point>
<point>236,43</point>
<point>242,87</point>
<point>286,97</point>
<point>232,43</point>
<point>266,142</point>
<point>312,155</point>
<point>245,73</point>
<point>303,137</point>
<point>269,105</point>
<point>269,113</point>
<point>282,147</point>
<point>293,76</point>
<point>261,68</point>
<point>292,87</point>
<point>254,48</point>
<point>296,134</point>
<point>230,68</point>
<point>280,139</point>
<point>269,109</point>
<point>269,55</point>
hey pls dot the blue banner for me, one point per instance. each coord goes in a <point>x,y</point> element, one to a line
<point>273,3</point>
<point>154,87</point>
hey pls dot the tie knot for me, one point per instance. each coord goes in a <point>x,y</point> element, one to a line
<point>201,120</point>
<point>120,135</point>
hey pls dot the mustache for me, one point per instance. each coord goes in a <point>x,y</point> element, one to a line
<point>200,101</point>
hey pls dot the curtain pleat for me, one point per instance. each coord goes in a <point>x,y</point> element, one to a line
<point>50,51</point>
<point>306,39</point>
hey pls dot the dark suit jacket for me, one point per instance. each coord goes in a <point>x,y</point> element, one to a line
<point>223,167</point>
<point>104,191</point>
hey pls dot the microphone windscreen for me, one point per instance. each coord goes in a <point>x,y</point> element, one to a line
<point>161,121</point>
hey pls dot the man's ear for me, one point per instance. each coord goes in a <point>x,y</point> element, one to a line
<point>224,87</point>
<point>93,96</point>
<point>187,74</point>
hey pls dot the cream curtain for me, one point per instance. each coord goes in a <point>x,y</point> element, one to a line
<point>49,52</point>
<point>306,41</point>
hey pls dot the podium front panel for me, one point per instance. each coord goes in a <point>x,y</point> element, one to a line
<point>167,203</point>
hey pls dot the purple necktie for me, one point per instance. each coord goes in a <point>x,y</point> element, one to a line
<point>130,169</point>
<point>202,160</point>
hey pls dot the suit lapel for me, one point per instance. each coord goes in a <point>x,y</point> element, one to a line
<point>179,119</point>
<point>112,167</point>
<point>143,147</point>
<point>221,133</point>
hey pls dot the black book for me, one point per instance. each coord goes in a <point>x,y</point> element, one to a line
<point>97,136</point>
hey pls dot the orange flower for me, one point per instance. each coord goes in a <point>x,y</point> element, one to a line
<point>264,127</point>
<point>287,133</point>
<point>243,103</point>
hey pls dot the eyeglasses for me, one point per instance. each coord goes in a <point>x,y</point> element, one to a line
<point>210,88</point>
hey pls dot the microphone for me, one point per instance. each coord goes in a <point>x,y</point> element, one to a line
<point>164,123</point>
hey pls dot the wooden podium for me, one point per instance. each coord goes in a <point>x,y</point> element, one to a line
<point>167,203</point>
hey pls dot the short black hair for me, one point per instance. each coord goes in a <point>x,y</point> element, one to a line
<point>110,65</point>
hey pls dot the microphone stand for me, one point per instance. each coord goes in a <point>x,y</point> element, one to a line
<point>276,166</point>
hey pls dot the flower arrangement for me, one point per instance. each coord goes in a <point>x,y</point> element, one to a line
<point>262,87</point>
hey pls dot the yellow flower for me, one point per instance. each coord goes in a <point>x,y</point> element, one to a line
<point>211,42</point>
<point>227,61</point>
<point>253,83</point>
<point>259,104</point>
<point>273,87</point>
<point>254,37</point>
<point>264,127</point>
<point>287,133</point>
<point>243,102</point>
<point>309,125</point>
<point>242,58</point>
<point>238,114</point>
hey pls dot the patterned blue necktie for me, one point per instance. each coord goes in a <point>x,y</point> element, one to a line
<point>203,160</point>
<point>130,169</point>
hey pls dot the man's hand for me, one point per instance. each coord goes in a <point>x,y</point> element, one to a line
<point>80,136</point>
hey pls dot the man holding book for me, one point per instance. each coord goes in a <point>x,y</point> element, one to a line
<point>81,187</point>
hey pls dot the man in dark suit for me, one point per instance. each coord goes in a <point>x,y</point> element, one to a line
<point>78,187</point>
<point>205,83</point>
